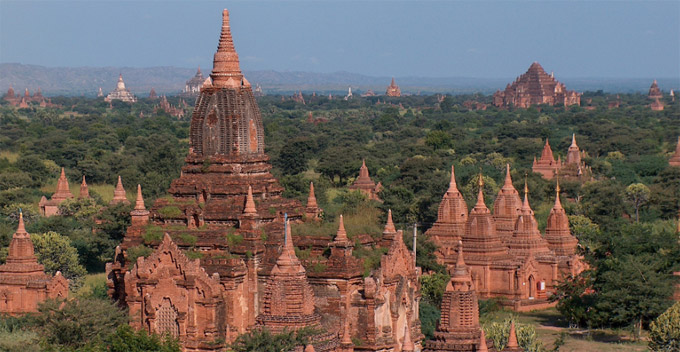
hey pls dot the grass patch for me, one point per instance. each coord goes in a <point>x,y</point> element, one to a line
<point>138,251</point>
<point>153,233</point>
<point>170,211</point>
<point>234,239</point>
<point>193,254</point>
<point>188,239</point>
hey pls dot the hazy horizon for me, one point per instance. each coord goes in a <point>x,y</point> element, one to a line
<point>434,39</point>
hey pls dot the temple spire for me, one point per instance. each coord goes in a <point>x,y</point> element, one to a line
<point>558,204</point>
<point>452,183</point>
<point>508,178</point>
<point>480,193</point>
<point>573,141</point>
<point>139,203</point>
<point>341,235</point>
<point>21,229</point>
<point>119,195</point>
<point>525,205</point>
<point>250,202</point>
<point>84,191</point>
<point>389,226</point>
<point>226,71</point>
<point>311,199</point>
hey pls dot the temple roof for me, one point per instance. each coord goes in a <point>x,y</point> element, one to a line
<point>21,257</point>
<point>226,68</point>
<point>675,159</point>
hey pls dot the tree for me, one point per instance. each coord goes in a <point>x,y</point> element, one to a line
<point>264,341</point>
<point>638,195</point>
<point>664,332</point>
<point>55,252</point>
<point>499,332</point>
<point>71,324</point>
<point>126,339</point>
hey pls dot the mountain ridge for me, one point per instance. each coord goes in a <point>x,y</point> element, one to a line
<point>169,80</point>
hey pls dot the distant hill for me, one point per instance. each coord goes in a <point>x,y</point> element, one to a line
<point>86,81</point>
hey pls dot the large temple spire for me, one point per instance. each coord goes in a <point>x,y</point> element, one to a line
<point>226,69</point>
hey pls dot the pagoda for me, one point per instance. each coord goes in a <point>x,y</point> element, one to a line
<point>557,232</point>
<point>675,159</point>
<point>192,87</point>
<point>23,282</point>
<point>451,218</point>
<point>51,207</point>
<point>121,93</point>
<point>535,87</point>
<point>654,91</point>
<point>364,183</point>
<point>458,329</point>
<point>547,166</point>
<point>393,90</point>
<point>574,168</point>
<point>506,207</point>
<point>288,300</point>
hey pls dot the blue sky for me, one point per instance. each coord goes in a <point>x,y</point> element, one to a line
<point>486,39</point>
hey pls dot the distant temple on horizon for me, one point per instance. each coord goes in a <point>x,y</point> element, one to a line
<point>535,87</point>
<point>393,90</point>
<point>121,93</point>
<point>192,88</point>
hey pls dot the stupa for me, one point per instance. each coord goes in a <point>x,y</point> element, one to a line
<point>451,218</point>
<point>63,192</point>
<point>365,184</point>
<point>192,87</point>
<point>23,282</point>
<point>574,168</point>
<point>121,93</point>
<point>654,91</point>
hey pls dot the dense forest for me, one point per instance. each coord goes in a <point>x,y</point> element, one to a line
<point>625,218</point>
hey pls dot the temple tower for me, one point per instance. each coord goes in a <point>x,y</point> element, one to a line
<point>526,239</point>
<point>364,183</point>
<point>506,207</point>
<point>84,191</point>
<point>393,90</point>
<point>23,282</point>
<point>227,151</point>
<point>546,165</point>
<point>458,328</point>
<point>119,194</point>
<point>557,232</point>
<point>451,218</point>
<point>655,91</point>
<point>63,192</point>
<point>574,153</point>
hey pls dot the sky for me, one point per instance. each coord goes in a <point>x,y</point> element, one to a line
<point>485,39</point>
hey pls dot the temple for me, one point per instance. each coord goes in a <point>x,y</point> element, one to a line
<point>63,192</point>
<point>121,93</point>
<point>393,90</point>
<point>507,255</point>
<point>458,329</point>
<point>192,87</point>
<point>654,91</point>
<point>23,282</point>
<point>22,101</point>
<point>227,211</point>
<point>535,87</point>
<point>574,168</point>
<point>364,183</point>
<point>675,159</point>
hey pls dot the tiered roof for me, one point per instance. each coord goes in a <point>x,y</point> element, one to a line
<point>535,87</point>
<point>506,207</point>
<point>527,240</point>
<point>557,231</point>
<point>393,90</point>
<point>451,216</point>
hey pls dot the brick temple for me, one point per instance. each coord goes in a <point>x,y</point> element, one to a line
<point>535,87</point>
<point>574,168</point>
<point>507,255</point>
<point>459,329</point>
<point>23,282</point>
<point>192,87</point>
<point>675,159</point>
<point>224,261</point>
<point>393,90</point>
<point>365,184</point>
